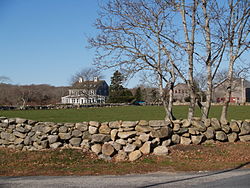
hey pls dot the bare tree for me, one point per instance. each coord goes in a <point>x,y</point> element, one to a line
<point>236,27</point>
<point>131,37</point>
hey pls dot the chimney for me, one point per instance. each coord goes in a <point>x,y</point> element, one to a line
<point>96,79</point>
<point>80,79</point>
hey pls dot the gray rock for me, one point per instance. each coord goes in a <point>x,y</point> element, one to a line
<point>144,137</point>
<point>185,141</point>
<point>114,124</point>
<point>121,156</point>
<point>113,134</point>
<point>93,130</point>
<point>143,123</point>
<point>104,129</point>
<point>94,124</point>
<point>134,155</point>
<point>76,133</point>
<point>207,122</point>
<point>55,145</point>
<point>3,142</point>
<point>158,123</point>
<point>127,134</point>
<point>19,135</point>
<point>215,124</point>
<point>183,130</point>
<point>167,142</point>
<point>116,146</point>
<point>107,149</point>
<point>52,138</point>
<point>96,148</point>
<point>129,148</point>
<point>129,123</point>
<point>193,131</point>
<point>245,128</point>
<point>225,128</point>
<point>197,139</point>
<point>245,138</point>
<point>44,144</point>
<point>164,132</point>
<point>64,136</point>
<point>175,139</point>
<point>82,126</point>
<point>20,129</point>
<point>27,141</point>
<point>161,150</point>
<point>220,136</point>
<point>199,125</point>
<point>233,137</point>
<point>186,123</point>
<point>4,125</point>
<point>138,143</point>
<point>21,120</point>
<point>176,127</point>
<point>75,141</point>
<point>143,128</point>
<point>63,129</point>
<point>86,136</point>
<point>18,141</point>
<point>210,133</point>
<point>69,125</point>
<point>234,126</point>
<point>121,141</point>
<point>100,138</point>
<point>146,148</point>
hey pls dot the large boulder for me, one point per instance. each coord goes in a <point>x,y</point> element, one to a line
<point>93,130</point>
<point>76,133</point>
<point>210,133</point>
<point>158,123</point>
<point>114,124</point>
<point>215,124</point>
<point>83,126</point>
<point>245,138</point>
<point>143,128</point>
<point>175,139</point>
<point>197,139</point>
<point>233,137</point>
<point>129,124</point>
<point>52,138</point>
<point>64,136</point>
<point>199,125</point>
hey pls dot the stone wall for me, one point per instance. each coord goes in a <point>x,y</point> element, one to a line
<point>119,139</point>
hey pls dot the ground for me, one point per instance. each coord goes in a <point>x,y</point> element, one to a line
<point>216,156</point>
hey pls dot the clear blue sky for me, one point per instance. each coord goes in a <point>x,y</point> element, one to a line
<point>44,41</point>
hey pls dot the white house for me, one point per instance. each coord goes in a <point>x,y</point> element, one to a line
<point>87,92</point>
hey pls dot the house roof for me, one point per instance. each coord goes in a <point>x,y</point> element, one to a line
<point>87,84</point>
<point>246,83</point>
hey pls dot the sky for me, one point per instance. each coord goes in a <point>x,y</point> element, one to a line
<point>44,41</point>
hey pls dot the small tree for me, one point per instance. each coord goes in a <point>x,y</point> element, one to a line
<point>117,93</point>
<point>138,94</point>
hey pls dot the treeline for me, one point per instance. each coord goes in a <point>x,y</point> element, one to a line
<point>43,94</point>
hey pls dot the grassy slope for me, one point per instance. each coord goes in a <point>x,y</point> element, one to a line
<point>119,113</point>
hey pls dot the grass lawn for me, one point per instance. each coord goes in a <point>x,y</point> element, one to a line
<point>131,113</point>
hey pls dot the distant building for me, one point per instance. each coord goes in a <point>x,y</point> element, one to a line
<point>87,92</point>
<point>181,92</point>
<point>240,91</point>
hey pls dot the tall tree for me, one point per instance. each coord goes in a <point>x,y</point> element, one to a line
<point>131,33</point>
<point>236,27</point>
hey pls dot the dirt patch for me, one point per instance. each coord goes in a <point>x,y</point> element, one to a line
<point>216,156</point>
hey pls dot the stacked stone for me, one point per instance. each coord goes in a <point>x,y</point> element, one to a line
<point>122,140</point>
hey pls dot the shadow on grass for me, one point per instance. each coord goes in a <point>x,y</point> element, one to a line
<point>196,177</point>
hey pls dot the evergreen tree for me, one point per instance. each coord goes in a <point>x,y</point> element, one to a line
<point>117,93</point>
<point>138,94</point>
